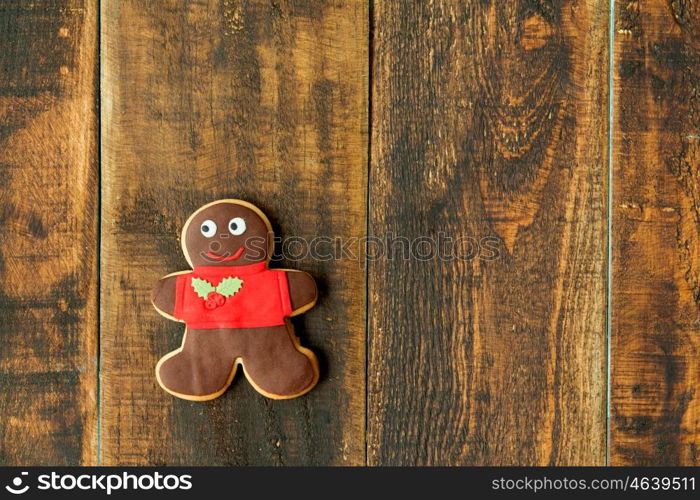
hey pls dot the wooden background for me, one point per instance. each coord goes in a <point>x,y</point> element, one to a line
<point>562,137</point>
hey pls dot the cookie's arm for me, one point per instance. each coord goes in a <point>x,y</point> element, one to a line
<point>163,294</point>
<point>302,291</point>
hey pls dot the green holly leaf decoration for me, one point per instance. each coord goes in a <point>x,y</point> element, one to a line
<point>229,286</point>
<point>202,287</point>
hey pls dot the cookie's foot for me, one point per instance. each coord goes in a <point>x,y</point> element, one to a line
<point>277,366</point>
<point>199,371</point>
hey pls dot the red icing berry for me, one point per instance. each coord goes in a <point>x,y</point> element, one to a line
<point>214,300</point>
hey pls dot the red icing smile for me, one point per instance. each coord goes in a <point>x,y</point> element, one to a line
<point>224,258</point>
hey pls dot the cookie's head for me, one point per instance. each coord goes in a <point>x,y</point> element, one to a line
<point>227,233</point>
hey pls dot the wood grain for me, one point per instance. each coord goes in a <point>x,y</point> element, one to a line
<point>48,230</point>
<point>656,227</point>
<point>489,122</point>
<point>263,101</point>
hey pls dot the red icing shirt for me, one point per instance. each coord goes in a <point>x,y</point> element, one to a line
<point>262,299</point>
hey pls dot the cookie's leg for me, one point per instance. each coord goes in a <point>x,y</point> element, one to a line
<point>276,365</point>
<point>202,368</point>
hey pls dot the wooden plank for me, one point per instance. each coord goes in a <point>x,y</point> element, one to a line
<point>656,219</point>
<point>246,99</point>
<point>48,229</point>
<point>489,121</point>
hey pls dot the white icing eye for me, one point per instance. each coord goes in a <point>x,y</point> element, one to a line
<point>236,226</point>
<point>208,228</point>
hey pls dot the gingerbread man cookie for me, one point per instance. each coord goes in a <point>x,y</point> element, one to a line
<point>236,310</point>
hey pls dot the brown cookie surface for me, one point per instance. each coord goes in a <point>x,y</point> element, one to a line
<point>235,308</point>
<point>227,233</point>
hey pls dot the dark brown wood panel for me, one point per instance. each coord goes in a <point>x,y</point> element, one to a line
<point>490,127</point>
<point>48,230</point>
<point>656,234</point>
<point>263,101</point>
